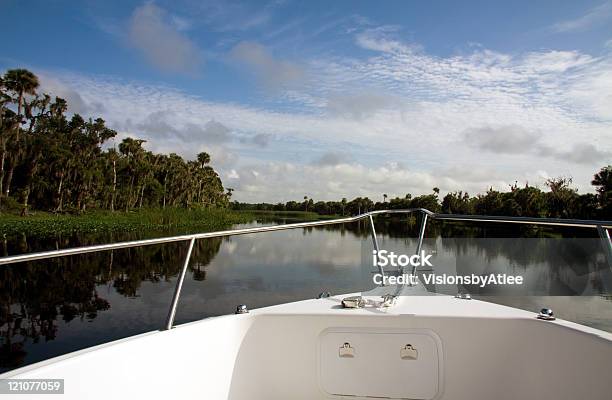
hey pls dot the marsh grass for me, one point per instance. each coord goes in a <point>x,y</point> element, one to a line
<point>42,224</point>
<point>298,215</point>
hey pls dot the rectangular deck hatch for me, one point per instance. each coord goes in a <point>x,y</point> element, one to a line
<point>367,362</point>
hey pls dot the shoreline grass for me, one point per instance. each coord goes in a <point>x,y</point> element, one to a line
<point>44,224</point>
<point>305,215</point>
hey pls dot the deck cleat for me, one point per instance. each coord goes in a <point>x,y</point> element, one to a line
<point>388,300</point>
<point>242,309</point>
<point>546,314</point>
<point>353,302</point>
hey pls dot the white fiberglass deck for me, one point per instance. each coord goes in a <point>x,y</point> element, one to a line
<point>468,349</point>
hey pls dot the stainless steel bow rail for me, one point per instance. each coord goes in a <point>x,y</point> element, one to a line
<point>601,226</point>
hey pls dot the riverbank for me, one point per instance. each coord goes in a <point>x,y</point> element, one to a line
<point>44,224</point>
<point>290,215</point>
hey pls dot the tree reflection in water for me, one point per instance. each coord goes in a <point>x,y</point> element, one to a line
<point>35,296</point>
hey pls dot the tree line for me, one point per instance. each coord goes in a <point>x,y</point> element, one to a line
<point>561,200</point>
<point>56,162</point>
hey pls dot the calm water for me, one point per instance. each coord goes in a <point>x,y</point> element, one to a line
<point>54,307</point>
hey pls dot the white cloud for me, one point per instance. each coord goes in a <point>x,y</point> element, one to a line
<point>593,17</point>
<point>509,139</point>
<point>271,71</point>
<point>515,139</point>
<point>212,131</point>
<point>377,40</point>
<point>157,35</point>
<point>361,105</point>
<point>580,153</point>
<point>290,181</point>
<point>76,104</point>
<point>164,124</point>
<point>331,159</point>
<point>590,90</point>
<point>260,139</point>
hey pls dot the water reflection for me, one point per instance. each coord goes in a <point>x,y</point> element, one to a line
<point>53,307</point>
<point>41,298</point>
<point>550,266</point>
<point>275,267</point>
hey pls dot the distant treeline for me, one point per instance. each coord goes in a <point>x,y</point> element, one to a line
<point>560,201</point>
<point>49,161</point>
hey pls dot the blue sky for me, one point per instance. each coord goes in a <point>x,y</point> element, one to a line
<point>332,99</point>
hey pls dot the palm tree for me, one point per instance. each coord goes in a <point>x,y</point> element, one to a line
<point>4,99</point>
<point>21,82</point>
<point>133,152</point>
<point>603,180</point>
<point>603,183</point>
<point>113,157</point>
<point>305,203</point>
<point>203,159</point>
<point>203,176</point>
<point>385,197</point>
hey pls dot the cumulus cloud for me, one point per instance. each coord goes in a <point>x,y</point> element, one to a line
<point>167,133</point>
<point>163,124</point>
<point>158,36</point>
<point>273,72</point>
<point>260,140</point>
<point>330,159</point>
<point>156,124</point>
<point>361,105</point>
<point>514,139</point>
<point>76,104</point>
<point>510,139</point>
<point>593,17</point>
<point>290,181</point>
<point>580,153</point>
<point>212,131</point>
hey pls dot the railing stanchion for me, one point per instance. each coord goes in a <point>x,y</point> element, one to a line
<point>375,242</point>
<point>179,286</point>
<point>420,242</point>
<point>606,242</point>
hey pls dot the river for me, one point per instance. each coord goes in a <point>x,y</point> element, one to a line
<point>57,306</point>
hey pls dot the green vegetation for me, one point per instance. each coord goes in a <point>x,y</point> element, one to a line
<point>560,201</point>
<point>54,163</point>
<point>298,215</point>
<point>43,224</point>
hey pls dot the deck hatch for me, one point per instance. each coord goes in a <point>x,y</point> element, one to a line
<point>396,364</point>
